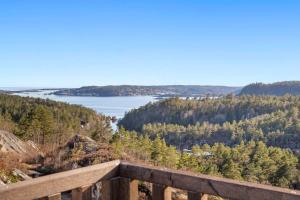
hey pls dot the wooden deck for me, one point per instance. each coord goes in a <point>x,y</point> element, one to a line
<point>118,180</point>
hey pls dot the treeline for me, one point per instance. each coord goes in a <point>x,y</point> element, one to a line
<point>130,145</point>
<point>140,90</point>
<point>50,122</point>
<point>276,89</point>
<point>252,161</point>
<point>216,111</point>
<point>280,128</point>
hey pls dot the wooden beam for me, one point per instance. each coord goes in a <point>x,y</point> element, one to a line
<point>51,197</point>
<point>115,187</point>
<point>197,196</point>
<point>161,192</point>
<point>82,193</point>
<point>216,186</point>
<point>162,178</point>
<point>55,197</point>
<point>105,190</point>
<point>168,193</point>
<point>127,189</point>
<point>119,188</point>
<point>133,189</point>
<point>60,182</point>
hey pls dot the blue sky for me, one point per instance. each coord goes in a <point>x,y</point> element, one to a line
<point>71,43</point>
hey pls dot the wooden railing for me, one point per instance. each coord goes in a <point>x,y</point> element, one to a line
<point>118,180</point>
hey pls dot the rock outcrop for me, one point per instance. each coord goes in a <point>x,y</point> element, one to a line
<point>9,143</point>
<point>13,155</point>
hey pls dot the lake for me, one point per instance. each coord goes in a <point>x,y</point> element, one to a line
<point>110,106</point>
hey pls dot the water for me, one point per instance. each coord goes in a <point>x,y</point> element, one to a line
<point>109,106</point>
<point>17,88</point>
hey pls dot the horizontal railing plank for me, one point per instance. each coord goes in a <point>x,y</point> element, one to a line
<point>47,186</point>
<point>222,187</point>
<point>60,182</point>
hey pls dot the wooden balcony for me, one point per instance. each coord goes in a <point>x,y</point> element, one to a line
<point>118,180</point>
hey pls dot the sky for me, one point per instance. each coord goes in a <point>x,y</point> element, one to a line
<point>73,43</point>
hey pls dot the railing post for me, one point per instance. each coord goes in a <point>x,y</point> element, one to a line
<point>112,188</point>
<point>119,188</point>
<point>82,193</point>
<point>161,192</point>
<point>106,190</point>
<point>128,189</point>
<point>197,196</point>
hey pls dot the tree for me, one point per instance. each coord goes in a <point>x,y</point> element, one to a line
<point>101,133</point>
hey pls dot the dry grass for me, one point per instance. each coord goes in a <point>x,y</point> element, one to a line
<point>8,163</point>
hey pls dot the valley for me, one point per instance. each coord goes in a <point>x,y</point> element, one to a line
<point>242,137</point>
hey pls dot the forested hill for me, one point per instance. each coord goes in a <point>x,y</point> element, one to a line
<point>228,120</point>
<point>46,121</point>
<point>216,111</point>
<point>275,89</point>
<point>134,90</point>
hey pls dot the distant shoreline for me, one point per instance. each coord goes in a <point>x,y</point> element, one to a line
<point>167,91</point>
<point>164,91</point>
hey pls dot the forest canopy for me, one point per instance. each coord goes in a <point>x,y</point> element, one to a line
<point>46,121</point>
<point>275,89</point>
<point>252,161</point>
<point>229,120</point>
